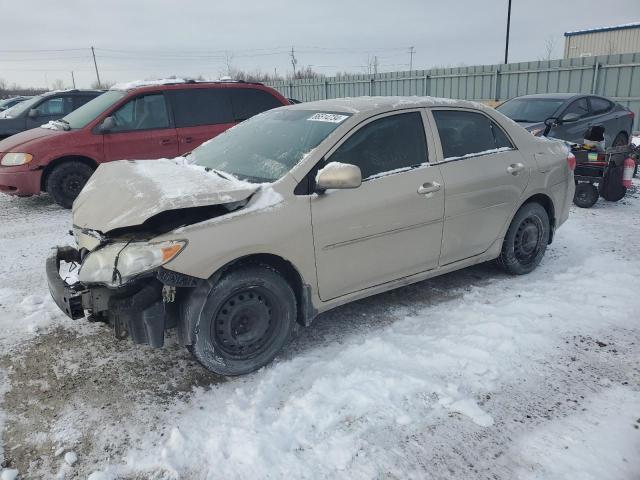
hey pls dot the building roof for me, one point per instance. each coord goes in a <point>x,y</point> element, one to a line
<point>603,29</point>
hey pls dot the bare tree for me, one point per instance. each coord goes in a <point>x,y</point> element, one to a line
<point>549,46</point>
<point>57,84</point>
<point>103,85</point>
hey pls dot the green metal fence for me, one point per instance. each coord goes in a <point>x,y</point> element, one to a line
<point>614,76</point>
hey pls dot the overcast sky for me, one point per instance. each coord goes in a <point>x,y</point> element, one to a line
<point>137,39</point>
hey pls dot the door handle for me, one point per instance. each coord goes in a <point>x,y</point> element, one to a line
<point>515,168</point>
<point>188,139</point>
<point>428,187</point>
<point>166,141</point>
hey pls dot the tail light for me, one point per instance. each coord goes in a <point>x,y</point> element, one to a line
<point>571,161</point>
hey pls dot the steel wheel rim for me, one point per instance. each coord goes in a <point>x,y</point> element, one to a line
<point>528,240</point>
<point>246,322</point>
<point>73,183</point>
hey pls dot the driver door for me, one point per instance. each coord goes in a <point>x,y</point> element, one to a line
<point>574,131</point>
<point>143,130</point>
<point>389,227</point>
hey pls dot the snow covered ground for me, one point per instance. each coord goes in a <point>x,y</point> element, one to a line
<point>471,375</point>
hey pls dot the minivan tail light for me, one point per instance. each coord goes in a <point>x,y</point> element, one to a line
<point>571,161</point>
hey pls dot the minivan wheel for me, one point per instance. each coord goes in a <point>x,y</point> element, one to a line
<point>66,180</point>
<point>246,319</point>
<point>526,240</point>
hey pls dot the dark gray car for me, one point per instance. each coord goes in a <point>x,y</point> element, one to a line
<point>572,115</point>
<point>42,109</point>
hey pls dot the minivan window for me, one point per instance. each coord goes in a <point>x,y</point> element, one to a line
<point>385,145</point>
<point>467,133</point>
<point>267,146</point>
<point>56,106</point>
<point>87,113</point>
<point>142,113</point>
<point>201,106</point>
<point>248,102</point>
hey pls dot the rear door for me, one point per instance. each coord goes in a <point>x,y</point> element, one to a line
<point>389,227</point>
<point>484,176</point>
<point>52,108</point>
<point>200,114</point>
<point>143,130</point>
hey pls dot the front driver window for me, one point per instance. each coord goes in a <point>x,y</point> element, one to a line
<point>385,145</point>
<point>56,106</point>
<point>142,113</point>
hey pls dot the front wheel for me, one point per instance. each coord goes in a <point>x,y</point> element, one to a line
<point>246,319</point>
<point>526,240</point>
<point>66,180</point>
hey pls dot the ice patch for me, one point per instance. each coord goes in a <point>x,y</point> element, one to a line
<point>470,408</point>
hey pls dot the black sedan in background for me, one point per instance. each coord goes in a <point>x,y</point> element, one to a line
<point>571,115</point>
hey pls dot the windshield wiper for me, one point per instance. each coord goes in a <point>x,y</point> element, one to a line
<point>217,172</point>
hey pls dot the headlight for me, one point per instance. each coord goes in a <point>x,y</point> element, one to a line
<point>13,159</point>
<point>117,263</point>
<point>536,132</point>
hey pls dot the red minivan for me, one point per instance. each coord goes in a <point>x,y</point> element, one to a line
<point>161,120</point>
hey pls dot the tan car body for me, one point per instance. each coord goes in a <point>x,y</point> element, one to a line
<point>347,244</point>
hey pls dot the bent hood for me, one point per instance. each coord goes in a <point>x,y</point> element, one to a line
<point>126,193</point>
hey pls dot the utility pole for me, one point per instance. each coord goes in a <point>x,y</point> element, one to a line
<point>375,65</point>
<point>73,79</point>
<point>95,64</point>
<point>506,47</point>
<point>294,61</point>
<point>411,51</point>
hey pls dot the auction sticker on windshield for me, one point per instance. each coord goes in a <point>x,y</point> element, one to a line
<point>327,117</point>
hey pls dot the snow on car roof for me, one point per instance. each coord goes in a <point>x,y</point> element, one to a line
<point>367,104</point>
<point>146,83</point>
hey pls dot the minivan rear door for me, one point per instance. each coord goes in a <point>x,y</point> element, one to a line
<point>143,130</point>
<point>200,114</point>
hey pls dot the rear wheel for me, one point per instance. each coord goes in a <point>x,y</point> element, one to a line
<point>66,180</point>
<point>526,240</point>
<point>586,195</point>
<point>245,320</point>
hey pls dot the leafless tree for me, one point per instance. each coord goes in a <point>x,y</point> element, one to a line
<point>57,84</point>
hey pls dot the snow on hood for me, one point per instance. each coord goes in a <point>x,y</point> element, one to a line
<point>126,193</point>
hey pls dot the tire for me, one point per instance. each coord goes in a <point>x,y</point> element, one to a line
<point>243,320</point>
<point>66,180</point>
<point>526,240</point>
<point>586,195</point>
<point>620,140</point>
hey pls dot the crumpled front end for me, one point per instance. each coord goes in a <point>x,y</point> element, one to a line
<point>140,309</point>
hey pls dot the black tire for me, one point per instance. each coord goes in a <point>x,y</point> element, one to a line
<point>526,240</point>
<point>620,140</point>
<point>245,319</point>
<point>586,195</point>
<point>66,180</point>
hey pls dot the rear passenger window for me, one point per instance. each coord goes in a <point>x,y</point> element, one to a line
<point>468,133</point>
<point>201,106</point>
<point>248,102</point>
<point>600,105</point>
<point>385,145</point>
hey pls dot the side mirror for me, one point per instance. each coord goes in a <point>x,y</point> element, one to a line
<point>570,117</point>
<point>338,175</point>
<point>107,125</point>
<point>34,113</point>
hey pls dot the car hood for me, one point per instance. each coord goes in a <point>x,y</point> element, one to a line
<point>126,193</point>
<point>22,139</point>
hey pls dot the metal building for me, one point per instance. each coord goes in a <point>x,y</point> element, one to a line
<point>602,41</point>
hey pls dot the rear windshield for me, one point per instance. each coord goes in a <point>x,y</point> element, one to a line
<point>84,115</point>
<point>530,110</point>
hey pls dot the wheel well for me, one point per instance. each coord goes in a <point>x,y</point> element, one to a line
<point>306,312</point>
<point>53,164</point>
<point>547,203</point>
